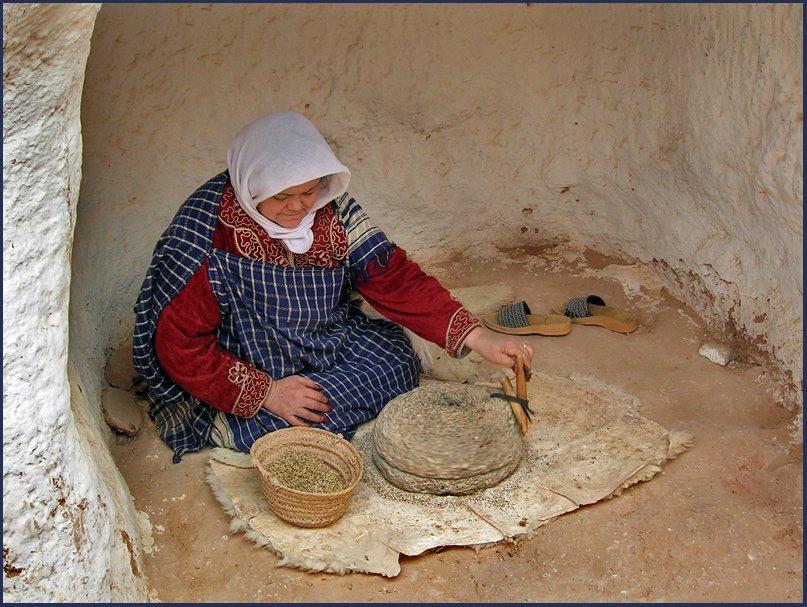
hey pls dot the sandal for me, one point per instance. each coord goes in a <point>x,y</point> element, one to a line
<point>517,319</point>
<point>592,310</point>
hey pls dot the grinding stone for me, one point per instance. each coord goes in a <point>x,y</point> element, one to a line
<point>447,438</point>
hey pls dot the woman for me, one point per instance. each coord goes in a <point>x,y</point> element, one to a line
<point>245,322</point>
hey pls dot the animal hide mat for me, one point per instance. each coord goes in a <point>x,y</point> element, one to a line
<point>586,443</point>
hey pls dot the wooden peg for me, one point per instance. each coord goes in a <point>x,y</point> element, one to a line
<point>521,377</point>
<point>521,417</point>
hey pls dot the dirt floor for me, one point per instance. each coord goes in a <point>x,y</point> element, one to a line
<point>722,523</point>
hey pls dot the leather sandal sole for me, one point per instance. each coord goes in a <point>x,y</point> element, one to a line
<point>539,324</point>
<point>614,319</point>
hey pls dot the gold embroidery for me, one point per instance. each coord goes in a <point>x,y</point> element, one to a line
<point>238,373</point>
<point>458,328</point>
<point>255,386</point>
<point>329,249</point>
<point>247,239</point>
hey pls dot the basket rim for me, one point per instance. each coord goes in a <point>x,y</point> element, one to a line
<point>275,434</point>
<point>267,438</point>
<point>267,477</point>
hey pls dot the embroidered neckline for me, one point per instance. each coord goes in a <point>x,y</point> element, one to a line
<point>329,249</point>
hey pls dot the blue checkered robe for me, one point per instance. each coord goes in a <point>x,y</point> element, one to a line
<point>281,320</point>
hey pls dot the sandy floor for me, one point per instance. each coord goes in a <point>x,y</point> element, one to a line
<point>722,523</point>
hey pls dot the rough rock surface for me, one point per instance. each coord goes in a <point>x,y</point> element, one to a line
<point>119,371</point>
<point>447,439</point>
<point>121,411</point>
<point>721,354</point>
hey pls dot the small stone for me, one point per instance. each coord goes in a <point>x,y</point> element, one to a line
<point>121,411</point>
<point>721,354</point>
<point>119,371</point>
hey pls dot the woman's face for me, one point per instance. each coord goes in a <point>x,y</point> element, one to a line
<point>288,207</point>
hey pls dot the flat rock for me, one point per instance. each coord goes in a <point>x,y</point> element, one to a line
<point>721,354</point>
<point>119,371</point>
<point>447,439</point>
<point>121,411</point>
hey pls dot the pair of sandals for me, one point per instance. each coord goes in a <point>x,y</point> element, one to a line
<point>518,319</point>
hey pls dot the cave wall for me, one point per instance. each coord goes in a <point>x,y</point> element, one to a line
<point>666,134</point>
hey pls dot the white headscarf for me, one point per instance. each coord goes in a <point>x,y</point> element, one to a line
<point>276,152</point>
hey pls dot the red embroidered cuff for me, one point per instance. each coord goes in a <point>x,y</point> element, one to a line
<point>462,323</point>
<point>255,385</point>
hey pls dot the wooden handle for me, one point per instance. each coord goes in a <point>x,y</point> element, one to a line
<point>521,417</point>
<point>521,378</point>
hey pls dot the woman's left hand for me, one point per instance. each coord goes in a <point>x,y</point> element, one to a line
<point>500,349</point>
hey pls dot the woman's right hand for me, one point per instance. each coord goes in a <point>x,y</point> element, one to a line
<point>297,399</point>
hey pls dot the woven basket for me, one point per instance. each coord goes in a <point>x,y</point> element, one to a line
<point>299,507</point>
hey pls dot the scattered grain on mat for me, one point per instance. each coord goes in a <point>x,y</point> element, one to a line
<point>303,471</point>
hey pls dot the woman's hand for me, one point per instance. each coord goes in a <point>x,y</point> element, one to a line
<point>500,349</point>
<point>297,399</point>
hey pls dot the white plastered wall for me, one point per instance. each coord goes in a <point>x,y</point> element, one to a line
<point>667,134</point>
<point>70,531</point>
